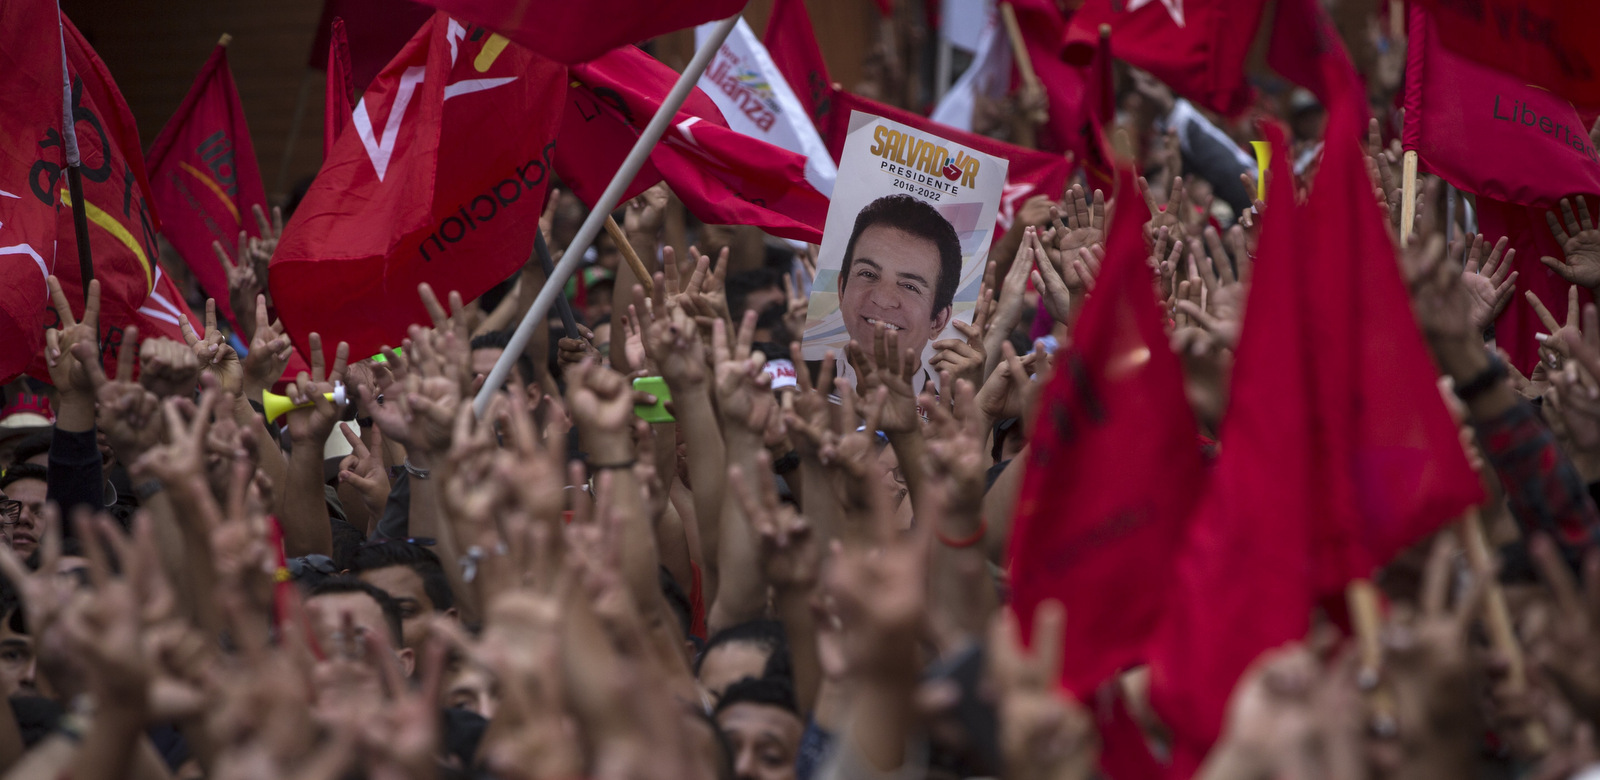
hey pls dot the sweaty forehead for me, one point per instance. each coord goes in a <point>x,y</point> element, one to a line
<point>757,720</point>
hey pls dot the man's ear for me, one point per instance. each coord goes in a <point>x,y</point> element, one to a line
<point>408,661</point>
<point>940,320</point>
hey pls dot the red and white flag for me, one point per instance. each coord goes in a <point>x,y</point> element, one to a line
<point>36,228</point>
<point>723,177</point>
<point>1198,47</point>
<point>440,178</point>
<point>203,176</point>
<point>757,101</point>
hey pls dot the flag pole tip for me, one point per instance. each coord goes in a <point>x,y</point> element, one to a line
<point>225,40</point>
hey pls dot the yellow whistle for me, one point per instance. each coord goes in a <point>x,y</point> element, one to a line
<point>275,405</point>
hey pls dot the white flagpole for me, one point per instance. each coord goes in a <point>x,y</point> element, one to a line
<point>535,318</point>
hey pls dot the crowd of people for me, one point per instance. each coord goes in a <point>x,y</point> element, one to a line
<point>789,575</point>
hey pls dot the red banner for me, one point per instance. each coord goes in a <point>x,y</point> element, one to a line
<point>440,178</point>
<point>578,31</point>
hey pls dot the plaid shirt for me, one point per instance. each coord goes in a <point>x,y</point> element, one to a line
<point>1543,487</point>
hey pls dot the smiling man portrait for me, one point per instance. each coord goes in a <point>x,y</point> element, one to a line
<point>900,270</point>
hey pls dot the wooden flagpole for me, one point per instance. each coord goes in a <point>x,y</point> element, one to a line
<point>601,211</point>
<point>621,240</point>
<point>1408,196</point>
<point>1497,620</point>
<point>1019,48</point>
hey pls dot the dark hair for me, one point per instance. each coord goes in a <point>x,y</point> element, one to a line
<point>32,446</point>
<point>494,339</point>
<point>905,213</point>
<point>740,285</point>
<point>334,586</point>
<point>21,471</point>
<point>501,339</point>
<point>399,552</point>
<point>347,540</point>
<point>765,634</point>
<point>770,691</point>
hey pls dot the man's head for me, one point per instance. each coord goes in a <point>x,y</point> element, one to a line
<point>759,718</point>
<point>369,609</point>
<point>757,290</point>
<point>900,270</point>
<point>412,575</point>
<point>471,687</point>
<point>752,649</point>
<point>18,668</point>
<point>25,483</point>
<point>486,350</point>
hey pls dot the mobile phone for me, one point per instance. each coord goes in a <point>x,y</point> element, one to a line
<point>657,412</point>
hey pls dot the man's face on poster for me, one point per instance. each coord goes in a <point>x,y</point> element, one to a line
<point>891,280</point>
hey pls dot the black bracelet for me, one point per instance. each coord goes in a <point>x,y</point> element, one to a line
<point>628,464</point>
<point>788,462</point>
<point>1486,380</point>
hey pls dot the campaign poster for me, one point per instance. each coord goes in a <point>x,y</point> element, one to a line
<point>905,242</point>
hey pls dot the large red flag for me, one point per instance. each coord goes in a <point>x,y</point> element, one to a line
<point>1197,47</point>
<point>377,28</point>
<point>1548,42</point>
<point>792,42</point>
<point>1512,144</point>
<point>340,91</point>
<point>1090,519</point>
<point>1338,452</point>
<point>574,32</point>
<point>1488,132</point>
<point>36,230</point>
<point>722,176</point>
<point>1069,87</point>
<point>204,177</point>
<point>440,179</point>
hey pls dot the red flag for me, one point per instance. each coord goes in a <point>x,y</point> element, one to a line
<point>792,43</point>
<point>440,179</point>
<point>1030,172</point>
<point>1338,452</point>
<point>1069,87</point>
<point>1547,42</point>
<point>722,176</point>
<point>378,29</point>
<point>204,176</point>
<point>1244,576</point>
<point>1089,520</point>
<point>36,231</point>
<point>1197,47</point>
<point>574,32</point>
<point>1491,133</point>
<point>336,111</point>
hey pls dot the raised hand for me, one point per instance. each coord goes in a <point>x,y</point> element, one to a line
<point>244,283</point>
<point>216,355</point>
<point>1080,225</point>
<point>600,400</point>
<point>1172,216</point>
<point>363,469</point>
<point>893,369</point>
<point>703,294</point>
<point>269,352</point>
<point>182,456</point>
<point>809,415</point>
<point>259,251</point>
<point>1490,281</point>
<point>957,457</point>
<point>1553,345</point>
<point>1580,242</point>
<point>68,373</point>
<point>789,552</point>
<point>675,346</point>
<point>419,406</point>
<point>312,424</point>
<point>1225,288</point>
<point>129,414</point>
<point>744,395</point>
<point>575,348</point>
<point>966,358</point>
<point>1044,734</point>
<point>166,367</point>
<point>1002,395</point>
<point>1049,281</point>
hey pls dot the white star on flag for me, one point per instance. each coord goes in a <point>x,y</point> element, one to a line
<point>1174,8</point>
